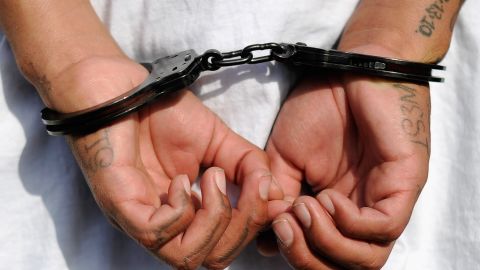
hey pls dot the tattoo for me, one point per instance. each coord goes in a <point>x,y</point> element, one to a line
<point>434,12</point>
<point>97,155</point>
<point>415,120</point>
<point>165,232</point>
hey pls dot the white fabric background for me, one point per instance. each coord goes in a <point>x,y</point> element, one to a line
<point>50,220</point>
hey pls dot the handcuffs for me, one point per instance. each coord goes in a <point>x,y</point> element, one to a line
<point>175,72</point>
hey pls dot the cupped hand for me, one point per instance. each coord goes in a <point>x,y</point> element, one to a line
<point>140,168</point>
<point>361,145</point>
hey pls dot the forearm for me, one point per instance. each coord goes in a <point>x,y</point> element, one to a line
<point>418,30</point>
<point>48,36</point>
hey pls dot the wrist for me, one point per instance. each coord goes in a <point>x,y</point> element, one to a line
<point>393,44</point>
<point>419,30</point>
<point>92,81</point>
<point>49,76</point>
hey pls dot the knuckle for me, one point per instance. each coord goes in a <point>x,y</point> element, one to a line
<point>150,241</point>
<point>392,231</point>
<point>259,220</point>
<point>259,217</point>
<point>153,239</point>
<point>349,228</point>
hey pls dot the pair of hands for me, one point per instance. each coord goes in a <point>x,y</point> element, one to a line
<point>360,144</point>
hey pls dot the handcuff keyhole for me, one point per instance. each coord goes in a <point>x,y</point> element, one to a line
<point>175,68</point>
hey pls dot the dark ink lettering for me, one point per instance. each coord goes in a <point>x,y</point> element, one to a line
<point>98,154</point>
<point>433,14</point>
<point>415,121</point>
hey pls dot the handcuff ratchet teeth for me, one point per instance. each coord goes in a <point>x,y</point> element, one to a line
<point>301,55</point>
<point>172,73</point>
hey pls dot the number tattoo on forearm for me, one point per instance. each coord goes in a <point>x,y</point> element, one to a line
<point>434,13</point>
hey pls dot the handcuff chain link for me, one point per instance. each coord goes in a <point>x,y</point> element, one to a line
<point>213,59</point>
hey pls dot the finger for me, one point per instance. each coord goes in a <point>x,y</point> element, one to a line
<point>240,158</point>
<point>276,207</point>
<point>154,226</point>
<point>237,157</point>
<point>276,191</point>
<point>201,138</point>
<point>266,241</point>
<point>188,250</point>
<point>248,219</point>
<point>286,174</point>
<point>293,245</point>
<point>324,237</point>
<point>383,221</point>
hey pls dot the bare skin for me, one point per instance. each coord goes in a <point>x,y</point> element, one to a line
<point>140,168</point>
<point>361,145</point>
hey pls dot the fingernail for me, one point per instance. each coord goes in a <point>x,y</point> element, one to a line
<point>220,180</point>
<point>264,187</point>
<point>326,203</point>
<point>186,183</point>
<point>301,211</point>
<point>283,231</point>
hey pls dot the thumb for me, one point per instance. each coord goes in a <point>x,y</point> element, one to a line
<point>286,175</point>
<point>382,221</point>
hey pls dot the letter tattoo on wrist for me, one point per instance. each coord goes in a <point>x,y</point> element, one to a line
<point>95,154</point>
<point>415,121</point>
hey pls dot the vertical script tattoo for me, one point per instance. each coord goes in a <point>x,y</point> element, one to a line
<point>97,154</point>
<point>415,121</point>
<point>434,12</point>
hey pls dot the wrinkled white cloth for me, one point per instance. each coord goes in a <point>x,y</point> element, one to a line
<point>50,220</point>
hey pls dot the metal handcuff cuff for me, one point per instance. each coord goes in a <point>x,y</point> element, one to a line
<point>175,72</point>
